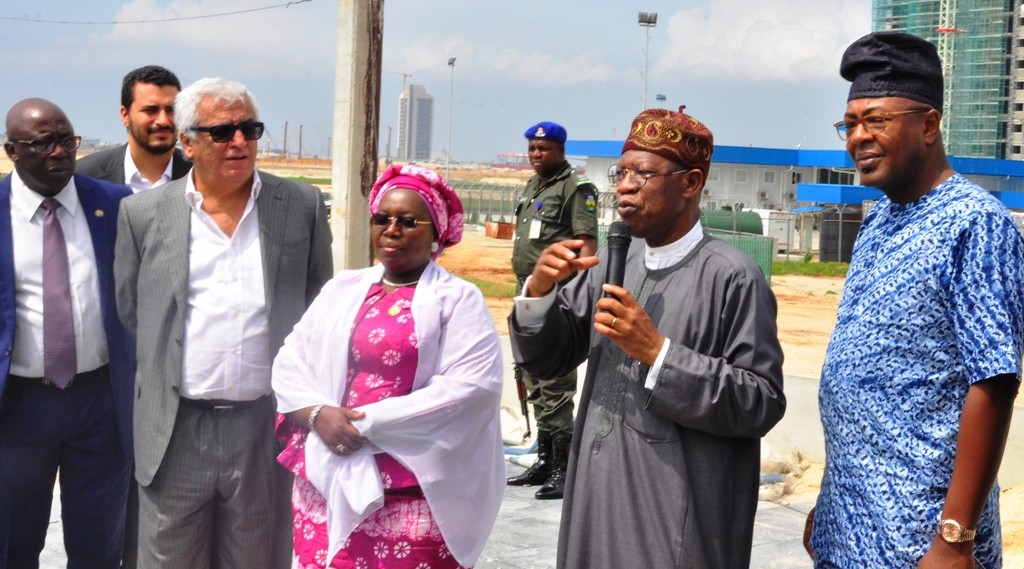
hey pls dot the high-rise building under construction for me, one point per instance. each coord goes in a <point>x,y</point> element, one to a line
<point>981,43</point>
<point>415,123</point>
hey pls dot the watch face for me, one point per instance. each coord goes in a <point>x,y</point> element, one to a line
<point>950,531</point>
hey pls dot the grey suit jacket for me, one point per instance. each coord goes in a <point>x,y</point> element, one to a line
<point>109,164</point>
<point>151,268</point>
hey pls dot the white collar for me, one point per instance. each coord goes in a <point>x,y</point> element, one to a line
<point>133,177</point>
<point>668,255</point>
<point>195,199</point>
<point>26,202</point>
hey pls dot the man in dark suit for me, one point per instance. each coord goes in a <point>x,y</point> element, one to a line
<point>66,362</point>
<point>149,158</point>
<point>212,271</point>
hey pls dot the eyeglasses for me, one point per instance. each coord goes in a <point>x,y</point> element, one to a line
<point>48,145</point>
<point>874,123</point>
<point>636,178</point>
<point>251,130</point>
<point>382,220</point>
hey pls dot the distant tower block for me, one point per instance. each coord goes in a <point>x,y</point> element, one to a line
<point>415,123</point>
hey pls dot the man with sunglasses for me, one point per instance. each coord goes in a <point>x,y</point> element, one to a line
<point>150,158</point>
<point>922,369</point>
<point>557,204</point>
<point>684,369</point>
<point>213,270</point>
<point>66,362</point>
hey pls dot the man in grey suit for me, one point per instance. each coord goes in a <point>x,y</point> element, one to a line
<point>149,158</point>
<point>212,272</point>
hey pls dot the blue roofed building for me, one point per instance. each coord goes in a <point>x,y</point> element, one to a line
<point>784,185</point>
<point>788,179</point>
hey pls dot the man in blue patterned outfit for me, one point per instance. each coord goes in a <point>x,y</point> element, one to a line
<point>922,369</point>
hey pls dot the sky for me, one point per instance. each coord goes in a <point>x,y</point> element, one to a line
<point>757,73</point>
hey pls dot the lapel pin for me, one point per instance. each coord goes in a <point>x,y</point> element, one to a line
<point>99,213</point>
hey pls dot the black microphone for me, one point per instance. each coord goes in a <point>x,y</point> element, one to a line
<point>619,238</point>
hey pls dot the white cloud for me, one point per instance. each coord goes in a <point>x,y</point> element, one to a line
<point>274,41</point>
<point>552,69</point>
<point>427,57</point>
<point>783,40</point>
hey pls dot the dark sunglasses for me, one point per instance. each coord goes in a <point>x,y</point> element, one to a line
<point>381,219</point>
<point>251,130</point>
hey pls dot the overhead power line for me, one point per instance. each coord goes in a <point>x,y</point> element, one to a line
<point>158,21</point>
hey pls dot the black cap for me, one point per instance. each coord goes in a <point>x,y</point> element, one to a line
<point>893,64</point>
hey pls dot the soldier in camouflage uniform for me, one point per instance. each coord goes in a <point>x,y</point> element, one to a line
<point>557,204</point>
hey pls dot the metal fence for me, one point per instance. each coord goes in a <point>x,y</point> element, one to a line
<point>496,203</point>
<point>758,247</point>
<point>488,202</point>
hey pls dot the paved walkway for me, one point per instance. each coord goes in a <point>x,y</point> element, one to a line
<point>525,533</point>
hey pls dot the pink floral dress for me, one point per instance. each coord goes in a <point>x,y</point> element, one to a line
<point>402,534</point>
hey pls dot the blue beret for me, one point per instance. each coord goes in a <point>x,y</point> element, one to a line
<point>546,131</point>
<point>893,64</point>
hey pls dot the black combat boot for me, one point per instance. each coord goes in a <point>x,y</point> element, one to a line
<point>541,470</point>
<point>555,486</point>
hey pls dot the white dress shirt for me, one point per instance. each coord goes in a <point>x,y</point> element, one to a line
<point>530,312</point>
<point>227,344</point>
<point>86,308</point>
<point>133,177</point>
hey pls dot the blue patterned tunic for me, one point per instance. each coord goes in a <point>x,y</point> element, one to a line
<point>934,302</point>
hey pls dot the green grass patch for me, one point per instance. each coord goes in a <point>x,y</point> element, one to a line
<point>492,289</point>
<point>305,180</point>
<point>811,269</point>
<point>507,289</point>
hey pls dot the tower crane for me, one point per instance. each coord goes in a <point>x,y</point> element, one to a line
<point>947,37</point>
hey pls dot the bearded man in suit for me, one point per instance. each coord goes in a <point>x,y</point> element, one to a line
<point>149,158</point>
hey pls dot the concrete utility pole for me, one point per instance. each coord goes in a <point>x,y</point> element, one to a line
<point>356,120</point>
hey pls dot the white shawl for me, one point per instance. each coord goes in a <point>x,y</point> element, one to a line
<point>446,431</point>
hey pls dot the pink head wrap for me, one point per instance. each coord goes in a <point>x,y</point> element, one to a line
<point>442,201</point>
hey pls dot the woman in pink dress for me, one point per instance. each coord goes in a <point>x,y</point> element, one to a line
<point>389,390</point>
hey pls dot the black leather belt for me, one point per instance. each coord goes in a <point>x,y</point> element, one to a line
<point>221,406</point>
<point>98,372</point>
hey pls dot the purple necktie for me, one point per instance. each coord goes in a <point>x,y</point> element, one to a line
<point>59,360</point>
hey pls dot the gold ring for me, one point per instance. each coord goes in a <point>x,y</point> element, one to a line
<point>614,320</point>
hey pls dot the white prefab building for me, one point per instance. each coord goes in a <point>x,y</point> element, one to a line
<point>784,180</point>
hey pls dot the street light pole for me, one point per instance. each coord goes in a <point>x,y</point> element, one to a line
<point>451,103</point>
<point>647,20</point>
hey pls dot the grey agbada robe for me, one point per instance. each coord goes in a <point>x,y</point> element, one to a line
<point>669,477</point>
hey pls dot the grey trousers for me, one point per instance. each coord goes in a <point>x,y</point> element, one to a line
<point>220,500</point>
